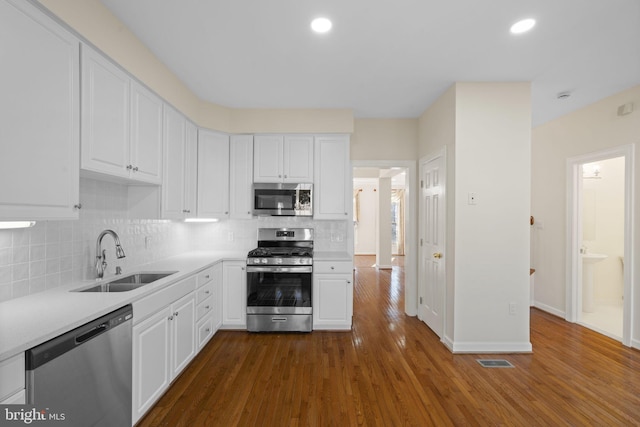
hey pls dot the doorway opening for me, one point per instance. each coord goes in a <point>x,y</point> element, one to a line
<point>384,219</point>
<point>600,239</point>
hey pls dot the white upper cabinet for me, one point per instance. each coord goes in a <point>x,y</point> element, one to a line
<point>241,177</point>
<point>39,105</point>
<point>213,174</point>
<point>146,135</point>
<point>173,185</point>
<point>333,189</point>
<point>190,197</point>
<point>279,158</point>
<point>121,123</point>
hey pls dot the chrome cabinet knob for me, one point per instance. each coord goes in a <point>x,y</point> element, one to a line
<point>78,206</point>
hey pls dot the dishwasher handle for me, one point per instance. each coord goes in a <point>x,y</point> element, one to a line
<point>92,333</point>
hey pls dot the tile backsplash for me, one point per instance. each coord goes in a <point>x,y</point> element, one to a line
<point>53,253</point>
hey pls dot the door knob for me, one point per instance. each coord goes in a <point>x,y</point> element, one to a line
<point>437,255</point>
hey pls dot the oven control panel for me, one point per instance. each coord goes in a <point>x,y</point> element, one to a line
<point>280,261</point>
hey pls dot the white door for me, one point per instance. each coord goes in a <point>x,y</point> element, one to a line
<point>432,231</point>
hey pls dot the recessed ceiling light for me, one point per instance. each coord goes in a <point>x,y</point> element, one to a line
<point>523,26</point>
<point>321,25</point>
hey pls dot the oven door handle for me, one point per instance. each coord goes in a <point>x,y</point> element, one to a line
<point>274,269</point>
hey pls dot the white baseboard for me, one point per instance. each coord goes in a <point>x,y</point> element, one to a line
<point>491,347</point>
<point>549,309</point>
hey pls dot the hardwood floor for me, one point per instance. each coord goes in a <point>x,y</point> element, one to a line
<point>392,370</point>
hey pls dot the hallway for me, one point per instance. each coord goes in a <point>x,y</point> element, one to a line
<point>391,370</point>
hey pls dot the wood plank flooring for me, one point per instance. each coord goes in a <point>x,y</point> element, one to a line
<point>392,370</point>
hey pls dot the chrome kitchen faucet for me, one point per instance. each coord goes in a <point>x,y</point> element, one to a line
<point>101,256</point>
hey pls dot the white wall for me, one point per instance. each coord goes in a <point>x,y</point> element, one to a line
<point>492,154</point>
<point>365,243</point>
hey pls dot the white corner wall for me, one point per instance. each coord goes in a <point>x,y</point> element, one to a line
<point>492,155</point>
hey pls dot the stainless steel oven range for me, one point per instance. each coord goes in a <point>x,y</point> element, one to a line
<point>279,277</point>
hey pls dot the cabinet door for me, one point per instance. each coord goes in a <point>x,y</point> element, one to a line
<point>146,135</point>
<point>190,199</point>
<point>268,158</point>
<point>105,116</point>
<point>234,295</point>
<point>39,106</point>
<point>173,183</point>
<point>332,301</point>
<point>151,357</point>
<point>332,185</point>
<point>183,323</point>
<point>298,159</point>
<point>213,174</point>
<point>241,177</point>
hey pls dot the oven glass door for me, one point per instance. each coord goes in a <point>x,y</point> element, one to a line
<point>279,290</point>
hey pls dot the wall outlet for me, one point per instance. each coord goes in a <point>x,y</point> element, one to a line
<point>512,308</point>
<point>472,198</point>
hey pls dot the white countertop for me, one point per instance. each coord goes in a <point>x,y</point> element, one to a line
<point>331,256</point>
<point>31,320</point>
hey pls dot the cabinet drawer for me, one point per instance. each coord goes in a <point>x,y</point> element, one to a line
<point>147,306</point>
<point>205,331</point>
<point>332,267</point>
<point>12,373</point>
<point>204,307</point>
<point>204,292</point>
<point>205,276</point>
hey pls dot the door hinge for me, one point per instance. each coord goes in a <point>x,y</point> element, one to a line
<point>420,300</point>
<point>420,242</point>
<point>421,184</point>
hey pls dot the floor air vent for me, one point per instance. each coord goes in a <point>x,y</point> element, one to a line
<point>495,363</point>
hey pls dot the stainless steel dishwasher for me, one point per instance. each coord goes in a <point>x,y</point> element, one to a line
<point>85,373</point>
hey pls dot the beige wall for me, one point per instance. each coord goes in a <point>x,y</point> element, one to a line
<point>436,132</point>
<point>93,21</point>
<point>588,130</point>
<point>485,129</point>
<point>384,139</point>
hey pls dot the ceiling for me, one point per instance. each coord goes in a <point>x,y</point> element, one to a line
<point>389,59</point>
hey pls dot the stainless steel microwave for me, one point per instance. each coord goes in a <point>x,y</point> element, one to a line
<point>282,199</point>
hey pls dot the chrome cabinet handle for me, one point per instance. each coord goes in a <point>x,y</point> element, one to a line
<point>207,292</point>
<point>176,314</point>
<point>135,169</point>
<point>207,276</point>
<point>207,307</point>
<point>170,317</point>
<point>129,167</point>
<point>78,206</point>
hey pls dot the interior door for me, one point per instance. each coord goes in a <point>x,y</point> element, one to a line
<point>432,231</point>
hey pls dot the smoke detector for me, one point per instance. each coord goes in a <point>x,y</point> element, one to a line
<point>563,95</point>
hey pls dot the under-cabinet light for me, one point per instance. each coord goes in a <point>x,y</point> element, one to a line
<point>16,224</point>
<point>201,220</point>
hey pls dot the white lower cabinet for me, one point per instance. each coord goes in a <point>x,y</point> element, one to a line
<point>332,295</point>
<point>163,345</point>
<point>234,295</point>
<point>12,384</point>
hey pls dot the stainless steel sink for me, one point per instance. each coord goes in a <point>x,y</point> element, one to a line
<point>127,283</point>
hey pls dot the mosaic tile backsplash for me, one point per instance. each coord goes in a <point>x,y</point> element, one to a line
<point>53,253</point>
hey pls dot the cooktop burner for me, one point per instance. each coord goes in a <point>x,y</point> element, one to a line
<point>278,251</point>
<point>283,246</point>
